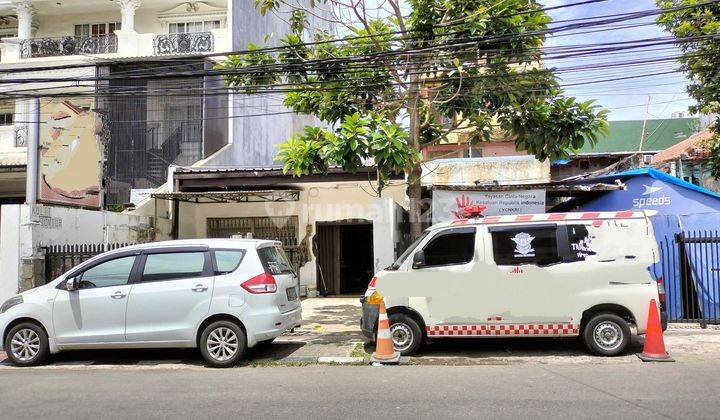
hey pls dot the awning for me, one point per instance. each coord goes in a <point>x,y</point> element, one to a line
<point>251,196</point>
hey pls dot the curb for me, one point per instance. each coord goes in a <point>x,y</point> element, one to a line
<point>691,326</point>
<point>340,360</point>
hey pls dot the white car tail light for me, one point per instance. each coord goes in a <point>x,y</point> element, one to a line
<point>262,283</point>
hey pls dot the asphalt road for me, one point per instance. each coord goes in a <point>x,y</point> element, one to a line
<point>687,390</point>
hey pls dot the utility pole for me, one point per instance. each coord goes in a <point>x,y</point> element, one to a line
<point>643,133</point>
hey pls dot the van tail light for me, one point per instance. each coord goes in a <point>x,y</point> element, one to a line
<point>372,282</point>
<point>260,284</point>
<point>661,289</point>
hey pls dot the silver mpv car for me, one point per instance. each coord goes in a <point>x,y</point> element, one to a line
<point>220,295</point>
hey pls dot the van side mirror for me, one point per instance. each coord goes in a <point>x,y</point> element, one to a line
<point>71,284</point>
<point>418,259</point>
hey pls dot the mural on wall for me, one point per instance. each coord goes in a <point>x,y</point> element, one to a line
<point>70,156</point>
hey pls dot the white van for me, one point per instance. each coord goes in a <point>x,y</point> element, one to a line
<point>545,275</point>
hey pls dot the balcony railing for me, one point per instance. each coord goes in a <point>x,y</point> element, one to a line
<point>192,42</point>
<point>68,45</point>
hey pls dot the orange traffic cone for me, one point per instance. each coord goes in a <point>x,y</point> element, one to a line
<point>384,352</point>
<point>654,349</point>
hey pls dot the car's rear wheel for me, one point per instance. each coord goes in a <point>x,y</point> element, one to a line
<point>27,345</point>
<point>405,333</point>
<point>223,344</point>
<point>606,334</point>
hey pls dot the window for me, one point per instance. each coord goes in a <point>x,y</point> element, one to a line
<point>525,245</point>
<point>186,27</point>
<point>454,246</point>
<point>274,260</point>
<point>396,265</point>
<point>228,261</point>
<point>6,118</point>
<point>110,273</point>
<point>96,29</point>
<point>178,265</point>
<point>579,243</point>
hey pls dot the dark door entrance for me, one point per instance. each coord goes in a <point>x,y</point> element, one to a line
<point>344,257</point>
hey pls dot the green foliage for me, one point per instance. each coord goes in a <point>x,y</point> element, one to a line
<point>358,138</point>
<point>697,30</point>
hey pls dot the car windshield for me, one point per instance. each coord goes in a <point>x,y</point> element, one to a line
<point>408,251</point>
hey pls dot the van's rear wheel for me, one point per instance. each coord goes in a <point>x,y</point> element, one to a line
<point>606,334</point>
<point>405,333</point>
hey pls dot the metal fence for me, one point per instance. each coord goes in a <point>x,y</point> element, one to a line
<point>690,267</point>
<point>61,258</point>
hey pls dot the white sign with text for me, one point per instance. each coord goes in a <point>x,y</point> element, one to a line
<point>447,204</point>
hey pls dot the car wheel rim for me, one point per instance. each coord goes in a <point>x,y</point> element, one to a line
<point>402,336</point>
<point>608,335</point>
<point>25,345</point>
<point>222,344</point>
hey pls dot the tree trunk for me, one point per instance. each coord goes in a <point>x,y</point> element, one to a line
<point>414,175</point>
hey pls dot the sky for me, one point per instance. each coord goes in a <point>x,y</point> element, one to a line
<point>627,99</point>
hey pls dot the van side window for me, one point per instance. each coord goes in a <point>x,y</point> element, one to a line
<point>525,245</point>
<point>454,246</point>
<point>579,243</point>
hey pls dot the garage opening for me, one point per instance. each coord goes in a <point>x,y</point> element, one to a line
<point>344,252</point>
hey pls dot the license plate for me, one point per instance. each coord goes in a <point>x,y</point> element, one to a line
<point>291,293</point>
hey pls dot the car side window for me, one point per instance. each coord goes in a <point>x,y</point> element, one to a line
<point>109,273</point>
<point>175,265</point>
<point>579,243</point>
<point>450,247</point>
<point>227,261</point>
<point>525,245</point>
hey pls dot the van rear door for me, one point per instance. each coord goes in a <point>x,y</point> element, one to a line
<point>276,263</point>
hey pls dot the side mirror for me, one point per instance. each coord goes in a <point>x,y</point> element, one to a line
<point>71,284</point>
<point>418,259</point>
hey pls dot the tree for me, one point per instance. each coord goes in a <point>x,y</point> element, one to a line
<point>407,75</point>
<point>697,30</point>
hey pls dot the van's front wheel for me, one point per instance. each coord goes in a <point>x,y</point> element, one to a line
<point>606,334</point>
<point>405,333</point>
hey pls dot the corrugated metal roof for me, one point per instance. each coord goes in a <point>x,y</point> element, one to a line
<point>625,135</point>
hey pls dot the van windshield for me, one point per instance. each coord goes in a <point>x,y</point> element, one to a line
<point>407,252</point>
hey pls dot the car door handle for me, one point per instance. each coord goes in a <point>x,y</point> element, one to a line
<point>199,288</point>
<point>118,295</point>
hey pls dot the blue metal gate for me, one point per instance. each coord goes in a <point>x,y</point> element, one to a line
<point>690,266</point>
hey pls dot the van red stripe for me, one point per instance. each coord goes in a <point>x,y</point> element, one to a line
<point>556,216</point>
<point>591,215</point>
<point>624,214</point>
<point>524,218</point>
<point>491,219</point>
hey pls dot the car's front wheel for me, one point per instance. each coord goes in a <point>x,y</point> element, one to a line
<point>606,334</point>
<point>223,344</point>
<point>27,345</point>
<point>405,333</point>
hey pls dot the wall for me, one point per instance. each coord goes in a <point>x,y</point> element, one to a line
<point>25,229</point>
<point>319,202</point>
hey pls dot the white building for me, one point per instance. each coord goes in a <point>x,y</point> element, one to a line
<point>121,121</point>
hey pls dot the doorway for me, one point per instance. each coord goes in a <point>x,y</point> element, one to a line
<point>344,252</point>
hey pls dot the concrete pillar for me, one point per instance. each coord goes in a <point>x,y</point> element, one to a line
<point>127,10</point>
<point>25,12</point>
<point>33,148</point>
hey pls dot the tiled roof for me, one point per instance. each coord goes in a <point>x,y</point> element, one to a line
<point>694,147</point>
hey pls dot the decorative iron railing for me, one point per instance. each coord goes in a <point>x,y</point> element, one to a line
<point>192,42</point>
<point>21,136</point>
<point>68,45</point>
